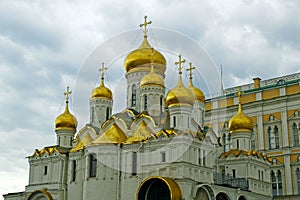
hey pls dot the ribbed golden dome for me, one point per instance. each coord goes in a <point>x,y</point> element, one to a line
<point>152,79</point>
<point>145,54</point>
<point>240,122</point>
<point>179,95</point>
<point>197,93</point>
<point>66,121</point>
<point>102,92</point>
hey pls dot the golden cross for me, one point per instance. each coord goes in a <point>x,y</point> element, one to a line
<point>179,62</point>
<point>102,69</point>
<point>191,70</point>
<point>145,25</point>
<point>239,93</point>
<point>67,93</point>
<point>152,54</point>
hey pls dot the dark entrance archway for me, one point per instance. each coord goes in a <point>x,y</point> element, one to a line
<point>158,188</point>
<point>222,196</point>
<point>242,198</point>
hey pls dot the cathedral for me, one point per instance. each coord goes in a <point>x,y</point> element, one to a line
<point>173,145</point>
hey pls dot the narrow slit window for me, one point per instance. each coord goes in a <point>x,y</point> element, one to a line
<point>133,95</point>
<point>134,164</point>
<point>74,170</point>
<point>45,170</point>
<point>93,165</point>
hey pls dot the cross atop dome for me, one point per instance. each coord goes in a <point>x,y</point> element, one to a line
<point>67,93</point>
<point>102,70</point>
<point>145,26</point>
<point>239,94</point>
<point>191,70</point>
<point>179,62</point>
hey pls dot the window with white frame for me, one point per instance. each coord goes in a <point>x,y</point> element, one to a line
<point>295,134</point>
<point>298,179</point>
<point>273,137</point>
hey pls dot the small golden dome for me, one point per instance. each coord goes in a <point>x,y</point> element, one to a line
<point>179,95</point>
<point>152,79</point>
<point>240,122</point>
<point>102,92</point>
<point>197,93</point>
<point>66,121</point>
<point>139,58</point>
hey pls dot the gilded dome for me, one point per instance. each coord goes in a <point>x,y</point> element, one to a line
<point>102,92</point>
<point>179,95</point>
<point>66,121</point>
<point>152,79</point>
<point>240,122</point>
<point>197,93</point>
<point>145,54</point>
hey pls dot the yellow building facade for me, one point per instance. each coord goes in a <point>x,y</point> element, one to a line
<point>274,107</point>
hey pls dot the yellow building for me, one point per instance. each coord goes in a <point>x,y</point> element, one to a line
<point>274,107</point>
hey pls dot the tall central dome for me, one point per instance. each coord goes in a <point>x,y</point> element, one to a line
<point>141,58</point>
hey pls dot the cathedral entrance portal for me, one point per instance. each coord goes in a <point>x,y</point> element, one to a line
<point>40,195</point>
<point>158,188</point>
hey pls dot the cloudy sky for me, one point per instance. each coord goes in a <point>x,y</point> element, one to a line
<point>47,45</point>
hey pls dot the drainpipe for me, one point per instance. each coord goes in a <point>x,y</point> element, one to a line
<point>64,176</point>
<point>141,146</point>
<point>119,149</point>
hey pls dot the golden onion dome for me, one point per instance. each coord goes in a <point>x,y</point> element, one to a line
<point>152,79</point>
<point>102,92</point>
<point>143,56</point>
<point>179,95</point>
<point>240,122</point>
<point>197,93</point>
<point>66,121</point>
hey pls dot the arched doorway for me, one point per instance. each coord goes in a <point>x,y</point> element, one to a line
<point>158,188</point>
<point>222,196</point>
<point>202,194</point>
<point>40,195</point>
<point>242,198</point>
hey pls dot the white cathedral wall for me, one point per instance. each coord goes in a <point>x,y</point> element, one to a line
<point>183,150</point>
<point>53,180</point>
<point>75,188</point>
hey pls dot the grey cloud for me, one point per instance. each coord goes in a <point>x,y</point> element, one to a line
<point>27,27</point>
